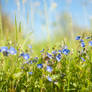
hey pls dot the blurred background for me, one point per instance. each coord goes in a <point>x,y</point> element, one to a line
<point>45,20</point>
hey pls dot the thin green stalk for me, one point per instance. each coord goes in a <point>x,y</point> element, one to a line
<point>68,84</point>
<point>47,21</point>
<point>16,29</point>
<point>68,75</point>
<point>20,27</point>
<point>0,25</point>
<point>32,19</point>
<point>85,13</point>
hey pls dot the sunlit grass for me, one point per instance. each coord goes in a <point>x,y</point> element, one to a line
<point>70,74</point>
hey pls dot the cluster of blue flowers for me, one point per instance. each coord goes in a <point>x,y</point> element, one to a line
<point>55,55</point>
<point>25,56</point>
<point>6,51</point>
<point>82,41</point>
<point>83,44</point>
<point>53,66</point>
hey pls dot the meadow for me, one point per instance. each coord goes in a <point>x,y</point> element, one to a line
<point>61,64</point>
<point>63,67</point>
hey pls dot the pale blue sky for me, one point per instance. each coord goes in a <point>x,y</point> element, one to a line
<point>80,14</point>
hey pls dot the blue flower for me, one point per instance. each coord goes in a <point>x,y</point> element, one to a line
<point>82,44</point>
<point>36,58</point>
<point>82,59</point>
<point>49,68</point>
<point>49,78</point>
<point>54,52</point>
<point>59,51</point>
<point>81,40</point>
<point>30,62</point>
<point>58,57</point>
<point>21,54</point>
<point>30,73</point>
<point>30,46</point>
<point>39,65</point>
<point>65,46</point>
<point>49,55</point>
<point>65,51</point>
<point>42,50</point>
<point>12,51</point>
<point>26,56</point>
<point>90,43</point>
<point>77,38</point>
<point>88,37</point>
<point>27,62</point>
<point>4,49</point>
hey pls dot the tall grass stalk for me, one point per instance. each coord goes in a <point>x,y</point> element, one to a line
<point>32,19</point>
<point>47,21</point>
<point>16,29</point>
<point>0,25</point>
<point>71,23</point>
<point>85,13</point>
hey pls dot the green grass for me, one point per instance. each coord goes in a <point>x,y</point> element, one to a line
<point>78,74</point>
